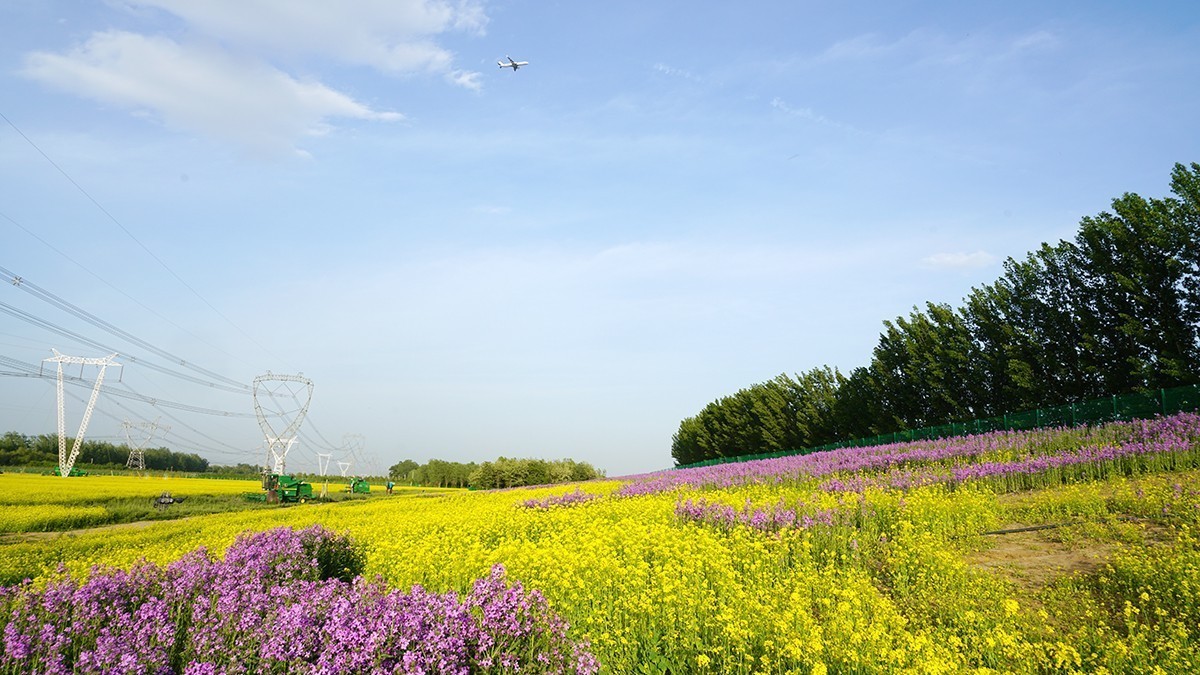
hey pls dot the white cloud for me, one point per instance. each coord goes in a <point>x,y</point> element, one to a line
<point>809,115</point>
<point>468,79</point>
<point>1036,40</point>
<point>235,87</point>
<point>859,47</point>
<point>959,260</point>
<point>390,35</point>
<point>805,113</point>
<point>676,72</point>
<point>199,90</point>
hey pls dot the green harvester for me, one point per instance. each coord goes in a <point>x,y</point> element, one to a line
<point>292,489</point>
<point>286,489</point>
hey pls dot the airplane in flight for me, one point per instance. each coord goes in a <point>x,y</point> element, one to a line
<point>512,64</point>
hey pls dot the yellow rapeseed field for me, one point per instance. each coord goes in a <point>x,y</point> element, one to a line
<point>26,488</point>
<point>878,584</point>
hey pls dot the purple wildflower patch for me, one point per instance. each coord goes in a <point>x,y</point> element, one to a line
<point>277,602</point>
<point>770,518</point>
<point>1168,443</point>
<point>568,499</point>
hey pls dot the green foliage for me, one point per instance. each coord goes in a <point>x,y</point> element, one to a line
<point>403,470</point>
<point>501,473</point>
<point>42,450</point>
<point>1114,311</point>
<point>775,416</point>
<point>507,473</point>
<point>336,555</point>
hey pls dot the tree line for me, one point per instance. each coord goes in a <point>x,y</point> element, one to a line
<point>1115,310</point>
<point>501,473</point>
<point>42,450</point>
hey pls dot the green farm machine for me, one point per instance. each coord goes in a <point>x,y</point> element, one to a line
<point>359,486</point>
<point>283,488</point>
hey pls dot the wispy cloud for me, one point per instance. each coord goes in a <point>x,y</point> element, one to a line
<point>863,46</point>
<point>197,90</point>
<point>958,260</point>
<point>808,114</point>
<point>223,75</point>
<point>468,79</point>
<point>803,113</point>
<point>396,36</point>
<point>928,48</point>
<point>671,71</point>
<point>1040,39</point>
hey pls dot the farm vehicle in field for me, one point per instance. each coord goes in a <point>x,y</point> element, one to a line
<point>359,486</point>
<point>283,488</point>
<point>165,499</point>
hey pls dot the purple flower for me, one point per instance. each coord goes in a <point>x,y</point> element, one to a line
<point>276,604</point>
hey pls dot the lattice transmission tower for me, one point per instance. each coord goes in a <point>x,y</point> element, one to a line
<point>138,435</point>
<point>353,451</point>
<point>285,399</point>
<point>67,461</point>
<point>323,465</point>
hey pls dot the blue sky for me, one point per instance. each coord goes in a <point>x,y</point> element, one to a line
<point>671,202</point>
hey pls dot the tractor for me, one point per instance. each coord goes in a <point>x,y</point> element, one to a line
<point>284,488</point>
<point>292,489</point>
<point>359,486</point>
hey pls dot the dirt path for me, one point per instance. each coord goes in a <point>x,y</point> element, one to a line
<point>19,537</point>
<point>1034,560</point>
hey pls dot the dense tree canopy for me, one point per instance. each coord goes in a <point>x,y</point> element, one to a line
<point>19,450</point>
<point>1115,310</point>
<point>434,473</point>
<point>781,414</point>
<point>501,473</point>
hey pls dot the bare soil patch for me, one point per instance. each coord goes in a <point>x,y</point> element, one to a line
<point>1035,559</point>
<point>19,537</point>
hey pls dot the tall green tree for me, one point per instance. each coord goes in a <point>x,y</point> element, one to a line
<point>1142,301</point>
<point>1113,311</point>
<point>403,470</point>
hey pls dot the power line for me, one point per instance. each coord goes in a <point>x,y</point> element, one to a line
<point>29,370</point>
<point>48,297</point>
<point>163,406</point>
<point>325,443</point>
<point>42,323</point>
<point>135,239</point>
<point>237,452</point>
<point>106,282</point>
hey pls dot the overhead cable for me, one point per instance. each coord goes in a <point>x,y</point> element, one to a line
<point>137,241</point>
<point>46,296</point>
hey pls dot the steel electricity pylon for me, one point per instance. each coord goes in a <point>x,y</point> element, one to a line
<point>67,461</point>
<point>284,398</point>
<point>323,465</point>
<point>138,435</point>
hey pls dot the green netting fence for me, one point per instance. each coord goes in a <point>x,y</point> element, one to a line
<point>1138,405</point>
